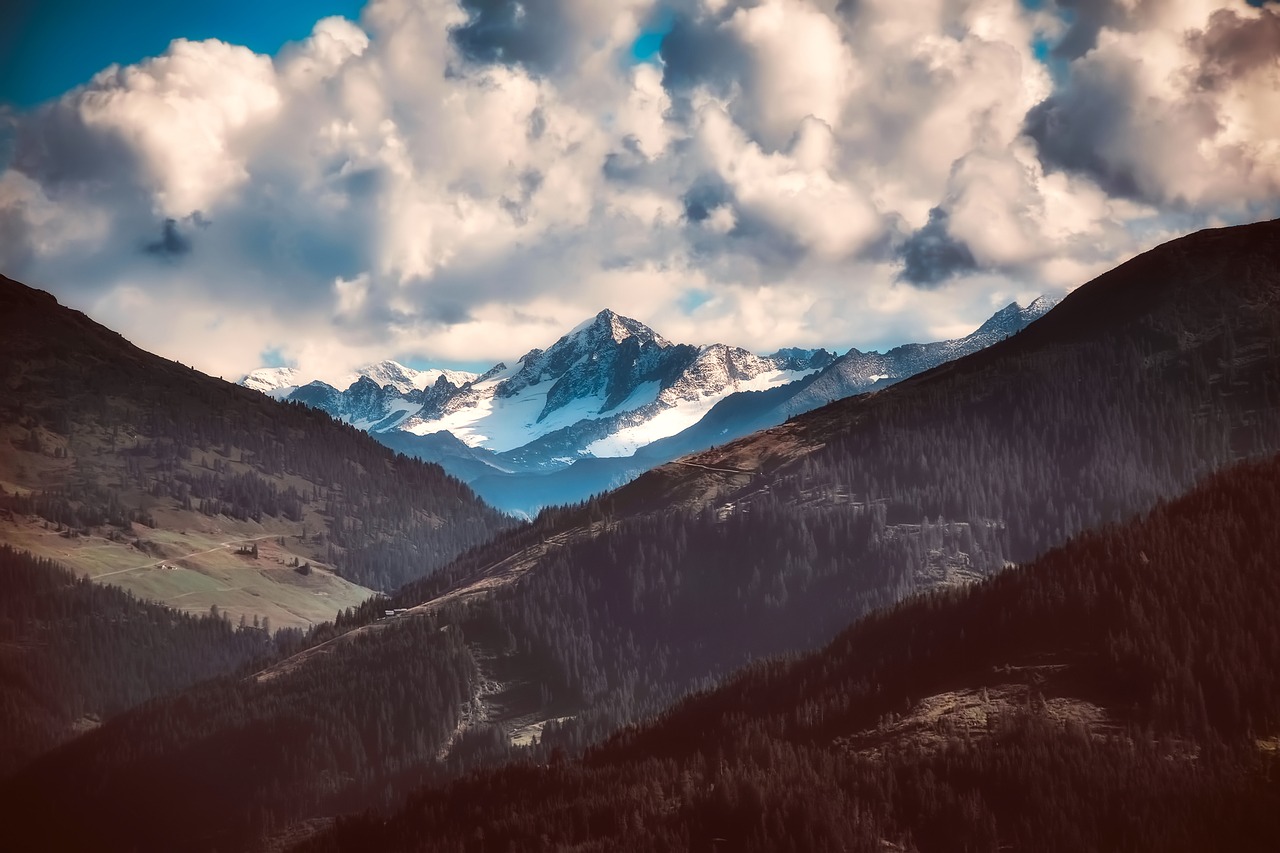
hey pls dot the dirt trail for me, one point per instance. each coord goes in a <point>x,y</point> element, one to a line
<point>153,563</point>
<point>712,468</point>
<point>482,582</point>
<point>505,571</point>
<point>290,663</point>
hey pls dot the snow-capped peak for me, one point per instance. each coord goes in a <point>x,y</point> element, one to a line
<point>276,382</point>
<point>405,379</point>
<point>582,363</point>
<point>280,382</point>
<point>1013,317</point>
<point>1040,306</point>
<point>615,327</point>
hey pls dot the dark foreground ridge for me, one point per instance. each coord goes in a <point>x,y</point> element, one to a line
<point>1119,693</point>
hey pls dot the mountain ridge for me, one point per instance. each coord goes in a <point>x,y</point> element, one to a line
<point>614,389</point>
<point>158,464</point>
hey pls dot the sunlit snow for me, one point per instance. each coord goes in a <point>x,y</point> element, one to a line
<point>626,441</point>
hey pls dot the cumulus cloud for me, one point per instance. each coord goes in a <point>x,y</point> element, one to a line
<point>1174,104</point>
<point>461,180</point>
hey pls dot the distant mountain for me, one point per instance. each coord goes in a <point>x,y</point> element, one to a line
<point>858,372</point>
<point>280,382</point>
<point>555,634</point>
<point>853,373</point>
<point>276,382</point>
<point>406,379</point>
<point>603,389</point>
<point>608,401</point>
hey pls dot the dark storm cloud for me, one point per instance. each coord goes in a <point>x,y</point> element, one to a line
<point>705,195</point>
<point>701,52</point>
<point>771,248</point>
<point>1233,46</point>
<point>1087,17</point>
<point>54,147</point>
<point>1096,124</point>
<point>1073,126</point>
<point>537,124</point>
<point>363,183</point>
<point>516,202</point>
<point>628,165</point>
<point>775,249</point>
<point>538,34</point>
<point>172,244</point>
<point>1070,126</point>
<point>1238,39</point>
<point>930,256</point>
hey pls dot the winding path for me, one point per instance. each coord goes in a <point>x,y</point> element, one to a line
<point>710,468</point>
<point>184,556</point>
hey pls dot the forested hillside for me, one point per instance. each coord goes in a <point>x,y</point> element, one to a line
<point>1119,693</point>
<point>1136,385</point>
<point>101,436</point>
<point>598,615</point>
<point>74,653</point>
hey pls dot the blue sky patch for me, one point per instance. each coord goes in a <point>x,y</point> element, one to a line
<point>274,357</point>
<point>50,46</point>
<point>692,300</point>
<point>648,44</point>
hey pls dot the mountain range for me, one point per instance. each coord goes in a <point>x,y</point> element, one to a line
<point>555,636</point>
<point>538,433</point>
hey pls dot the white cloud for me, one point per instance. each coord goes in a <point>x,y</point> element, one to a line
<point>801,66</point>
<point>1177,104</point>
<point>180,115</point>
<point>461,183</point>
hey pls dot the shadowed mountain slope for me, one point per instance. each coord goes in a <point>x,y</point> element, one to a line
<point>74,653</point>
<point>113,442</point>
<point>1117,693</point>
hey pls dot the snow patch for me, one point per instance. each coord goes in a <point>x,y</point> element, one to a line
<point>277,382</point>
<point>684,414</point>
<point>505,423</point>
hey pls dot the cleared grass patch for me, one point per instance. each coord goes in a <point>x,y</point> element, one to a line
<point>194,570</point>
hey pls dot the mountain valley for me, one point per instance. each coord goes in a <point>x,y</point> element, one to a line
<point>553,635</point>
<point>776,426</point>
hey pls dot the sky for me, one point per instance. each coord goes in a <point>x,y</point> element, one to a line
<point>454,182</point>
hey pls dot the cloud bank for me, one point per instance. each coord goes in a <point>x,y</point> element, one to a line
<point>460,181</point>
